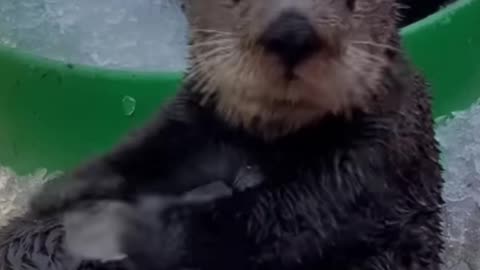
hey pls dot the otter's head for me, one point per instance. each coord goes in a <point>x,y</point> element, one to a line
<point>277,65</point>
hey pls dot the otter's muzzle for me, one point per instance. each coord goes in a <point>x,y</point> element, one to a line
<point>291,37</point>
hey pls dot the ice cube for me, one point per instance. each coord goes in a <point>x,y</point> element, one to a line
<point>460,145</point>
<point>123,34</point>
<point>15,191</point>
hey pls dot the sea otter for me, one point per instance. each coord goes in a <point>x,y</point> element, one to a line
<point>318,97</point>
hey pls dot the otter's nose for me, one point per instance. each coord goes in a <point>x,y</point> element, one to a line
<point>291,37</point>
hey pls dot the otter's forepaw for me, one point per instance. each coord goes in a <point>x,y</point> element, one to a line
<point>159,236</point>
<point>151,233</point>
<point>91,184</point>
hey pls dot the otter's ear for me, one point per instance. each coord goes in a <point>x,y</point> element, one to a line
<point>95,232</point>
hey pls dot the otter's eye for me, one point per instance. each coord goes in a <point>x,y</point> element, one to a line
<point>351,4</point>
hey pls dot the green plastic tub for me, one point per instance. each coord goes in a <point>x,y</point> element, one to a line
<point>54,115</point>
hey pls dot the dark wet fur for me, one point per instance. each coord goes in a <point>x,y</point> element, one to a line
<point>358,192</point>
<point>342,194</point>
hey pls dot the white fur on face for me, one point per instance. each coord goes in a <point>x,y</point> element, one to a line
<point>250,85</point>
<point>252,89</point>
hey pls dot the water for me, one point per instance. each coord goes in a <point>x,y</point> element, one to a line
<point>128,105</point>
<point>460,143</point>
<point>16,190</point>
<point>125,34</point>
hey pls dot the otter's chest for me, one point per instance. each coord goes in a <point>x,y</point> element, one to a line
<point>278,164</point>
<point>316,172</point>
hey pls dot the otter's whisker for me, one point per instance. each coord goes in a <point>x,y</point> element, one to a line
<point>250,72</point>
<point>330,21</point>
<point>198,78</point>
<point>326,21</point>
<point>213,53</point>
<point>375,44</point>
<point>210,31</point>
<point>206,52</point>
<point>211,42</point>
<point>213,36</point>
<point>241,64</point>
<point>201,70</point>
<point>360,78</point>
<point>219,59</point>
<point>195,72</point>
<point>355,51</point>
<point>356,64</point>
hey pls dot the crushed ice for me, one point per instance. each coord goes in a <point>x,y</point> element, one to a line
<point>459,138</point>
<point>15,191</point>
<point>133,34</point>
